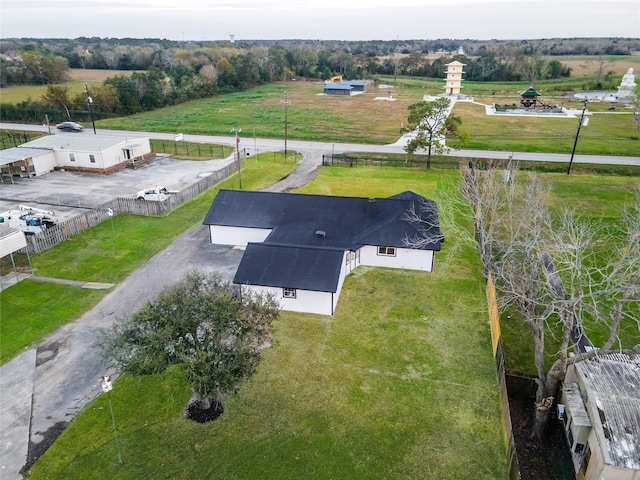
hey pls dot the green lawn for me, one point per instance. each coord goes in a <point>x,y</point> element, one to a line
<point>605,134</point>
<point>400,383</point>
<point>109,252</point>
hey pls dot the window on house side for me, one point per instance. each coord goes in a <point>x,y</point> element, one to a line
<point>92,158</point>
<point>289,292</point>
<point>72,157</point>
<point>387,251</point>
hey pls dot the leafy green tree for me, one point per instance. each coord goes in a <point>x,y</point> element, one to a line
<point>212,329</point>
<point>431,125</point>
<point>556,69</point>
<point>56,97</point>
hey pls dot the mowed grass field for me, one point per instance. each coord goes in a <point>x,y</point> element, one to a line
<point>260,111</point>
<point>400,383</point>
<point>367,119</point>
<point>76,83</point>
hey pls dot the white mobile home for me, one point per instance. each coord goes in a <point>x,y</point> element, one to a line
<point>72,151</point>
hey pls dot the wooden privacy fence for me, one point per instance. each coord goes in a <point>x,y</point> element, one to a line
<point>498,353</point>
<point>90,218</point>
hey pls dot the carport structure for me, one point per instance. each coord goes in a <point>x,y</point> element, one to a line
<point>18,162</point>
<point>12,240</point>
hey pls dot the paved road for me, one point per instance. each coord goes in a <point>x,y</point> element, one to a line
<point>45,387</point>
<point>326,148</point>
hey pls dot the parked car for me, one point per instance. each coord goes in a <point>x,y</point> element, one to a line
<point>70,127</point>
<point>155,194</point>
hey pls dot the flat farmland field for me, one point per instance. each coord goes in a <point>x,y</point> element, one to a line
<point>77,78</point>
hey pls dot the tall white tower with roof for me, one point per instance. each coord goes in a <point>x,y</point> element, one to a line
<point>454,77</point>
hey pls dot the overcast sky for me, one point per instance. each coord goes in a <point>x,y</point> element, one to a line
<point>319,19</point>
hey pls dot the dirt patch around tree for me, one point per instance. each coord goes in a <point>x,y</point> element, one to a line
<point>196,411</point>
<point>548,461</point>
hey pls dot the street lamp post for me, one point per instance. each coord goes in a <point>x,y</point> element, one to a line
<point>237,131</point>
<point>90,102</point>
<point>575,143</point>
<point>107,387</point>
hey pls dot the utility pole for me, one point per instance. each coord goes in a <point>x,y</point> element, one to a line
<point>285,102</point>
<point>580,123</point>
<point>89,102</point>
<point>237,131</point>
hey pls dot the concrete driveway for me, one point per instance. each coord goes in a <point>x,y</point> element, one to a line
<point>44,388</point>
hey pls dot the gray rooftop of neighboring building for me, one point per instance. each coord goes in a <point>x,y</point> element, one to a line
<point>614,387</point>
<point>15,154</point>
<point>77,142</point>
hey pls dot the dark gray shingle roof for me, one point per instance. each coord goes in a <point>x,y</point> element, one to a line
<point>294,254</point>
<point>290,267</point>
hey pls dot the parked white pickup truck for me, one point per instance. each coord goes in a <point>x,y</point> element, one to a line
<point>155,194</point>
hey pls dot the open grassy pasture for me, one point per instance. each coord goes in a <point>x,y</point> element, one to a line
<point>364,119</point>
<point>589,65</point>
<point>259,111</point>
<point>400,383</point>
<point>77,78</point>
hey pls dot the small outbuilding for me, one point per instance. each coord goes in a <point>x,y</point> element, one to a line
<point>11,241</point>
<point>345,87</point>
<point>601,417</point>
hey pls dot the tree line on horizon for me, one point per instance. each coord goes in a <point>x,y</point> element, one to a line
<point>170,72</point>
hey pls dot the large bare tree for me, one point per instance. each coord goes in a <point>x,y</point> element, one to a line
<point>559,272</point>
<point>562,273</point>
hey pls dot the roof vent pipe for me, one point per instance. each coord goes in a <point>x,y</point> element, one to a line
<point>372,207</point>
<point>321,234</point>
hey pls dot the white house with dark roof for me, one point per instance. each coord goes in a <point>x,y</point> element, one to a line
<point>601,404</point>
<point>301,247</point>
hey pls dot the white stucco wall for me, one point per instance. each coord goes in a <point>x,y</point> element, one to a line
<point>103,159</point>
<point>411,259</point>
<point>237,236</point>
<point>306,301</point>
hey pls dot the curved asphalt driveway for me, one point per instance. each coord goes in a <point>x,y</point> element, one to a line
<point>45,387</point>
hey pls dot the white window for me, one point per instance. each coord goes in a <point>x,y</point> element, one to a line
<point>92,158</point>
<point>72,157</point>
<point>289,292</point>
<point>387,251</point>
